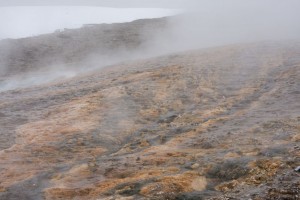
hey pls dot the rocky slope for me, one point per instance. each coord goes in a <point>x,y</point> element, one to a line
<point>219,123</point>
<point>100,44</point>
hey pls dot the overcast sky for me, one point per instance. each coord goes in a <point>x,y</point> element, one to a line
<point>105,3</point>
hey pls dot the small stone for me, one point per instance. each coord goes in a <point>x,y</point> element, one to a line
<point>92,164</point>
<point>199,184</point>
<point>181,162</point>
<point>297,169</point>
<point>195,166</point>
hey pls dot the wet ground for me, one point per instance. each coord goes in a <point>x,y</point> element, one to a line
<point>220,123</point>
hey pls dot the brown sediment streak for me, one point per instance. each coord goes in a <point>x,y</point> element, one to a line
<point>201,123</point>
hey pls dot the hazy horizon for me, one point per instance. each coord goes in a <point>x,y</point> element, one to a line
<point>30,20</point>
<point>102,3</point>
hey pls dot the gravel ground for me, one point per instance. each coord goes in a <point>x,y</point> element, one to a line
<point>218,123</point>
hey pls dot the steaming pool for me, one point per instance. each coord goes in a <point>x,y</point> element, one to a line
<point>23,21</point>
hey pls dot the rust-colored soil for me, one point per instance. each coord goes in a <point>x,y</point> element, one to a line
<point>221,123</point>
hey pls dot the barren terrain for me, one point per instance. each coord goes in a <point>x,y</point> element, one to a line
<point>218,123</point>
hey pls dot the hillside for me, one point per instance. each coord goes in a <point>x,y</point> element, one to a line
<point>218,123</point>
<point>98,45</point>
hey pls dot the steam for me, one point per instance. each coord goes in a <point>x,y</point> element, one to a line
<point>217,22</point>
<point>205,23</point>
